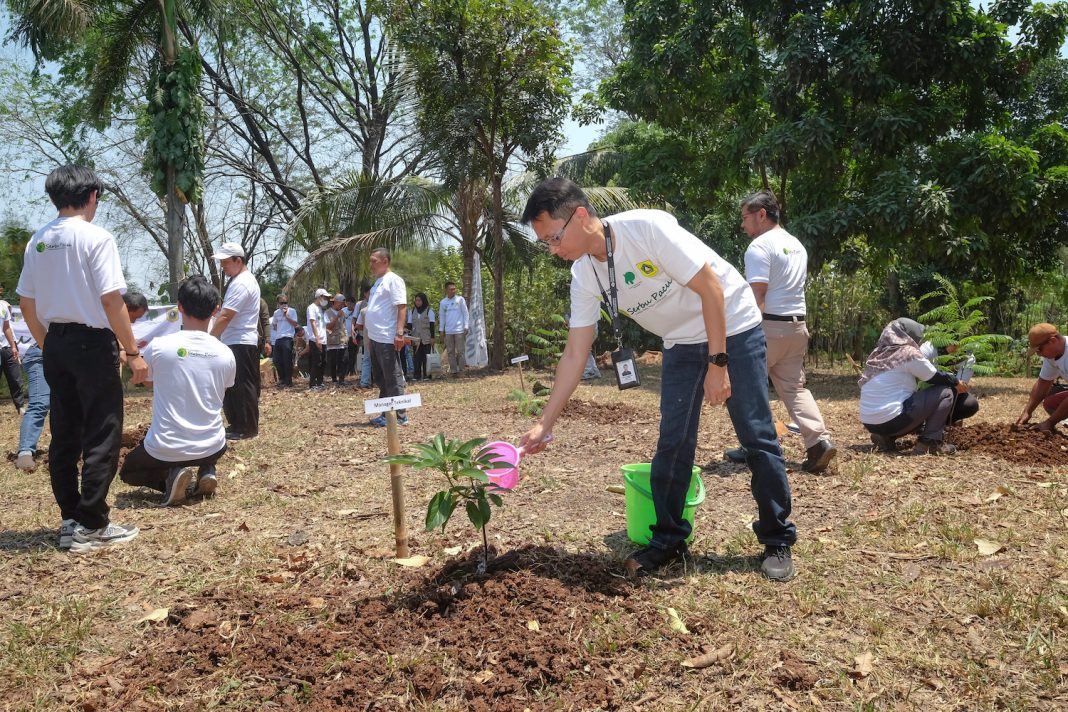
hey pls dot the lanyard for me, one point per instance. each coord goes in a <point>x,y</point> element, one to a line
<point>611,302</point>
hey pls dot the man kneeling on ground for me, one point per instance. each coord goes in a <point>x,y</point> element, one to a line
<point>190,371</point>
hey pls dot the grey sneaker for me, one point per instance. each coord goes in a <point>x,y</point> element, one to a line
<point>930,447</point>
<point>25,461</point>
<point>86,541</point>
<point>178,481</point>
<point>66,533</point>
<point>776,563</point>
<point>883,443</point>
<point>736,454</point>
<point>819,456</point>
<point>207,483</point>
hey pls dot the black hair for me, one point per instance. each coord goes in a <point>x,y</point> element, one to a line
<point>70,186</point>
<point>762,199</point>
<point>365,287</point>
<point>383,253</point>
<point>135,301</point>
<point>450,282</point>
<point>557,197</point>
<point>198,297</point>
<point>426,302</point>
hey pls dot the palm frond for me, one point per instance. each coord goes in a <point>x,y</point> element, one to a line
<point>123,34</point>
<point>44,25</point>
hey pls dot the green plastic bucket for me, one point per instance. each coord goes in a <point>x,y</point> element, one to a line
<point>640,511</point>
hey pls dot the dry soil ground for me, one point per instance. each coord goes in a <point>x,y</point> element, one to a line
<point>924,583</point>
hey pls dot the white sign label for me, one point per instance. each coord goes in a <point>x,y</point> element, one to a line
<point>382,405</point>
<point>520,359</point>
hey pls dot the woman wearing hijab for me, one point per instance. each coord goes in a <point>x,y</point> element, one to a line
<point>891,403</point>
<point>421,327</point>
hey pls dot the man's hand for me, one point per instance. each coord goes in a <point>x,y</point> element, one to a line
<point>1046,426</point>
<point>398,342</point>
<point>1024,417</point>
<point>535,440</point>
<point>267,349</point>
<point>140,369</point>
<point>717,385</point>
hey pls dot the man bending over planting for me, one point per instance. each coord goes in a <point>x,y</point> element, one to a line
<point>190,371</point>
<point>680,289</point>
<point>1048,343</point>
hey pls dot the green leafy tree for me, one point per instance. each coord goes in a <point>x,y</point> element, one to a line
<point>954,324</point>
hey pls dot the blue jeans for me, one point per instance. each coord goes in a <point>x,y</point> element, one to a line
<point>365,367</point>
<point>37,410</point>
<point>681,395</point>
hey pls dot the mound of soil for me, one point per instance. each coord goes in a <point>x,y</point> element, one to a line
<point>1025,447</point>
<point>130,440</point>
<point>602,413</point>
<point>540,620</point>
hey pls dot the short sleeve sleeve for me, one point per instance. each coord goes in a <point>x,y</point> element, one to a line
<point>585,303</point>
<point>921,368</point>
<point>148,353</point>
<point>757,263</point>
<point>1049,370</point>
<point>105,267</point>
<point>672,245</point>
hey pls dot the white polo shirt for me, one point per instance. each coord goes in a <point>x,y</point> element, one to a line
<point>655,258</point>
<point>379,317</point>
<point>243,296</point>
<point>69,265</point>
<point>190,372</point>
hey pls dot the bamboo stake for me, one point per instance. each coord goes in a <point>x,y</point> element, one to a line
<point>396,483</point>
<point>522,384</point>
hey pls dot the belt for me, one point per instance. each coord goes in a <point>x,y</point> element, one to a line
<point>776,317</point>
<point>70,327</point>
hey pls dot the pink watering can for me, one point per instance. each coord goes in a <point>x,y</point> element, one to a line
<point>505,477</point>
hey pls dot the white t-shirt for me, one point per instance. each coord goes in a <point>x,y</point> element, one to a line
<point>243,296</point>
<point>882,396</point>
<point>1051,368</point>
<point>69,265</point>
<point>455,318</point>
<point>379,317</point>
<point>280,328</point>
<point>316,317</point>
<point>5,316</point>
<point>780,261</point>
<point>654,259</point>
<point>190,371</point>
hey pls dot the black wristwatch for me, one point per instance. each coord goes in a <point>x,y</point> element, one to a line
<point>719,359</point>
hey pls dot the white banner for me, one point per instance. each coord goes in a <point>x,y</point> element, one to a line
<point>476,354</point>
<point>158,321</point>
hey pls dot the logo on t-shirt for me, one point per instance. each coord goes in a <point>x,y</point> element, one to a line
<point>628,277</point>
<point>648,268</point>
<point>172,315</point>
<point>182,352</point>
<point>42,247</point>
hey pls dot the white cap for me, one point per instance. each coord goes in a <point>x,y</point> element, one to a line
<point>321,293</point>
<point>228,250</point>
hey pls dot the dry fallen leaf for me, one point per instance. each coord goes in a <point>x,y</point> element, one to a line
<point>231,474</point>
<point>998,494</point>
<point>988,548</point>
<point>452,550</point>
<point>242,527</point>
<point>316,602</point>
<point>700,662</point>
<point>533,625</point>
<point>615,489</point>
<point>160,614</point>
<point>676,622</point>
<point>483,677</point>
<point>346,512</point>
<point>862,665</point>
<point>412,561</point>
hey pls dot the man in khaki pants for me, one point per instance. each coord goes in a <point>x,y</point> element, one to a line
<point>454,323</point>
<point>776,264</point>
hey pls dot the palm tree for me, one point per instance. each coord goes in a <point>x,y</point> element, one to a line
<point>50,28</point>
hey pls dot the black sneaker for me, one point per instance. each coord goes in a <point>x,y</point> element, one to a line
<point>651,559</point>
<point>883,443</point>
<point>819,456</point>
<point>776,563</point>
<point>735,455</point>
<point>178,480</point>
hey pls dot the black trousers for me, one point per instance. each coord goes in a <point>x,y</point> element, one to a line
<point>283,359</point>
<point>350,354</point>
<point>337,364</point>
<point>420,361</point>
<point>316,364</point>
<point>142,470</point>
<point>13,374</point>
<point>387,370</point>
<point>81,365</point>
<point>241,402</point>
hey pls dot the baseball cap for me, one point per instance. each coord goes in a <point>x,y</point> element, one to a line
<point>339,297</point>
<point>228,250</point>
<point>321,293</point>
<point>1038,335</point>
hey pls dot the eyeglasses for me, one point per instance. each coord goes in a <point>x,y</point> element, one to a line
<point>555,238</point>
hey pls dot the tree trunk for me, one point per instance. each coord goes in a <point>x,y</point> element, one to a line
<point>497,357</point>
<point>205,244</point>
<point>893,293</point>
<point>175,243</point>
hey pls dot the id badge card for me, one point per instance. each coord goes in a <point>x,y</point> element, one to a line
<point>625,368</point>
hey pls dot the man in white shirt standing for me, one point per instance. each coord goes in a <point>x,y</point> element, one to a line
<point>316,335</point>
<point>71,288</point>
<point>236,326</point>
<point>10,358</point>
<point>455,322</point>
<point>190,372</point>
<point>283,328</point>
<point>776,265</point>
<point>677,287</point>
<point>383,320</point>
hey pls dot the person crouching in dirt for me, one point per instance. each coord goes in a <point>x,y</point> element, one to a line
<point>1048,343</point>
<point>891,404</point>
<point>190,371</point>
<point>711,326</point>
